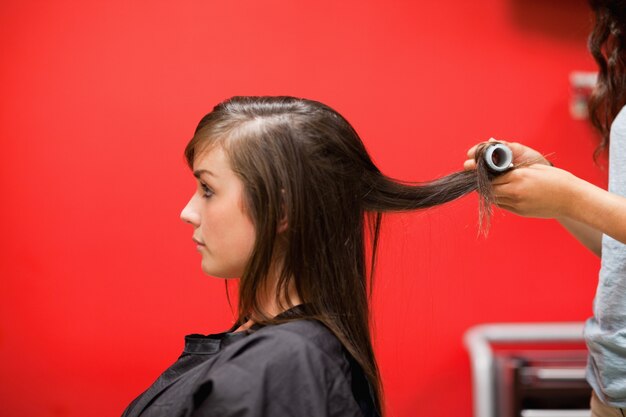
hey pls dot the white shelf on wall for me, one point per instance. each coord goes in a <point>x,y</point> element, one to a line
<point>582,84</point>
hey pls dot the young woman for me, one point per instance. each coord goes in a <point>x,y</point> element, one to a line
<point>285,193</point>
<point>596,217</point>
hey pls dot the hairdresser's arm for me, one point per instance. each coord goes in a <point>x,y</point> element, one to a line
<point>584,233</point>
<point>588,236</point>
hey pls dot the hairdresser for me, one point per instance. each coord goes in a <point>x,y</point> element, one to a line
<point>597,218</point>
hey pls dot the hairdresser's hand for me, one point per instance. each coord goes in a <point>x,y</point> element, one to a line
<point>585,210</point>
<point>521,155</point>
<point>537,190</point>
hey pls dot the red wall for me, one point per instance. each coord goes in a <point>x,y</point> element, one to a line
<point>99,277</point>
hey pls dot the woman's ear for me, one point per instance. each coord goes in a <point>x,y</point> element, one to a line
<point>282,225</point>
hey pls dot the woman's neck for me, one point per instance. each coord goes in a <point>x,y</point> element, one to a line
<point>271,303</point>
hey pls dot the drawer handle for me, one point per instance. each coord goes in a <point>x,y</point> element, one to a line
<point>561,373</point>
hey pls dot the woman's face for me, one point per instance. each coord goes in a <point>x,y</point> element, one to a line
<point>223,232</point>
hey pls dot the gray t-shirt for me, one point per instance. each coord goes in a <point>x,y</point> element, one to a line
<point>605,333</point>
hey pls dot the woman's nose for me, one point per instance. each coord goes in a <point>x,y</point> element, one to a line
<point>190,214</point>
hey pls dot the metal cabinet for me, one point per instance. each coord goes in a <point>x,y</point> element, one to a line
<point>529,370</point>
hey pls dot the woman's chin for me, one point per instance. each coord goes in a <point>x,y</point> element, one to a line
<point>216,273</point>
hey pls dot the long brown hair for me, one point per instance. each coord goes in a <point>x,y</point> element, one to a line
<point>299,159</point>
<point>607,44</point>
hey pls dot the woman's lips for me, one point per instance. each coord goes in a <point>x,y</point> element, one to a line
<point>197,241</point>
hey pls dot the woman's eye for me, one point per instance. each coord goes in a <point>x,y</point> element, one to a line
<point>206,191</point>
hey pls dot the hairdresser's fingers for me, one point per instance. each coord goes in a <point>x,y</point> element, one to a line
<point>502,179</point>
<point>469,165</point>
<point>498,140</point>
<point>501,191</point>
<point>502,199</point>
<point>507,207</point>
<point>501,194</point>
<point>472,151</point>
<point>524,155</point>
<point>504,194</point>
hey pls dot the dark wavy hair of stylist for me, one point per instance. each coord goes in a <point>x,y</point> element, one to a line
<point>300,160</point>
<point>607,43</point>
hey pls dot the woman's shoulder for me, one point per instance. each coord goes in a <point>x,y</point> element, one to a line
<point>300,339</point>
<point>301,332</point>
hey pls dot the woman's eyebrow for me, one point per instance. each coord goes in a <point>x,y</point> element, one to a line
<point>197,173</point>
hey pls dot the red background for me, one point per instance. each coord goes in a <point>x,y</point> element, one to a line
<point>99,277</point>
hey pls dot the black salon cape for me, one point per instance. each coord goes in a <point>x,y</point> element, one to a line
<point>298,368</point>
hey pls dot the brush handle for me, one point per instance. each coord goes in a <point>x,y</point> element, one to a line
<point>498,157</point>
